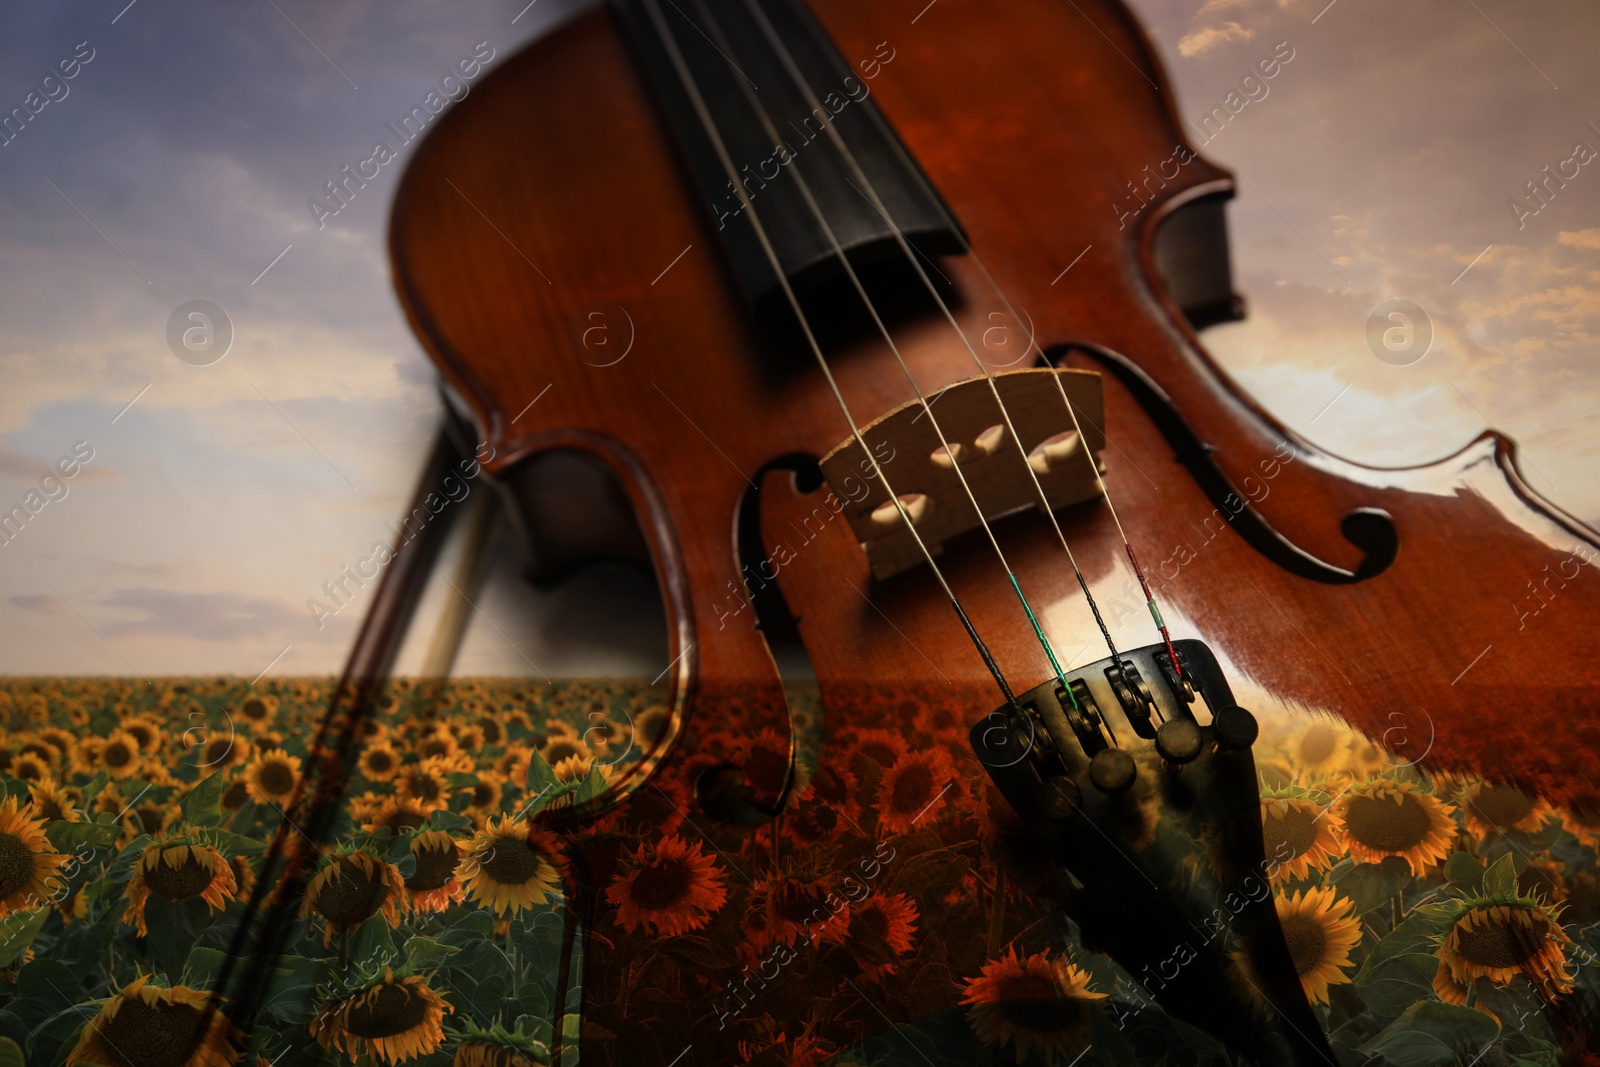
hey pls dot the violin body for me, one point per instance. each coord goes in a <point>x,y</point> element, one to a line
<point>1447,598</point>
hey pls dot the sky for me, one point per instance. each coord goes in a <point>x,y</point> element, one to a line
<point>177,163</point>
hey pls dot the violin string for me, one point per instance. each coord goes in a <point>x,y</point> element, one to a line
<point>989,280</point>
<point>686,78</point>
<point>798,78</point>
<point>715,29</point>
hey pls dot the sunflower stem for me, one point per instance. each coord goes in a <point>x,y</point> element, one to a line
<point>997,913</point>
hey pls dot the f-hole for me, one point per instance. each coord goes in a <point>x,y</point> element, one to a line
<point>719,792</point>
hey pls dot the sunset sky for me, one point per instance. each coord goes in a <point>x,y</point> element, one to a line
<point>179,163</point>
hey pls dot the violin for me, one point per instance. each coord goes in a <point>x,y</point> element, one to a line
<point>980,573</point>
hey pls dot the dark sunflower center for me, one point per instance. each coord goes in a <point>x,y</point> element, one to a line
<point>1502,805</point>
<point>254,709</point>
<point>875,920</point>
<point>188,879</point>
<point>351,895</point>
<point>144,1036</point>
<point>1318,744</point>
<point>512,861</point>
<point>403,820</point>
<point>276,778</point>
<point>141,735</point>
<point>425,787</point>
<point>1503,943</point>
<point>29,770</point>
<point>1381,824</point>
<point>217,751</point>
<point>434,746</point>
<point>491,731</point>
<point>434,868</point>
<point>912,789</point>
<point>817,821</point>
<point>1293,827</point>
<point>149,817</point>
<point>559,749</point>
<point>798,903</point>
<point>1307,942</point>
<point>482,793</point>
<point>237,794</point>
<point>50,808</point>
<point>16,864</point>
<point>117,754</point>
<point>662,884</point>
<point>394,1009</point>
<point>378,760</point>
<point>1034,1003</point>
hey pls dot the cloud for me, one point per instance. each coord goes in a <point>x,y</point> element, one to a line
<point>202,616</point>
<point>39,603</point>
<point>1589,238</point>
<point>1202,41</point>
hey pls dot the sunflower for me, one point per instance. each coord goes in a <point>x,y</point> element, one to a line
<point>27,862</point>
<point>258,712</point>
<point>912,786</point>
<point>50,801</point>
<point>272,776</point>
<point>392,1020</point>
<point>380,762</point>
<point>1320,928</point>
<point>491,731</point>
<point>212,754</point>
<point>176,872</point>
<point>484,793</point>
<point>438,742</point>
<point>558,747</point>
<point>668,887</point>
<point>351,889</point>
<point>119,756</point>
<point>795,905</point>
<point>1318,747</point>
<point>883,921</point>
<point>398,815</point>
<point>433,886</point>
<point>427,783</point>
<point>151,817</point>
<point>1040,1003</point>
<point>875,747</point>
<point>1384,818</point>
<point>148,1026</point>
<point>1499,939</point>
<point>651,726</point>
<point>1497,808</point>
<point>28,767</point>
<point>513,865</point>
<point>1298,839</point>
<point>497,1047</point>
<point>148,732</point>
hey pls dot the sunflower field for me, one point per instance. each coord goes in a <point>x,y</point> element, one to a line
<point>1430,918</point>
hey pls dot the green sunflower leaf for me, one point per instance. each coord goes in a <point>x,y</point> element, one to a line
<point>1465,870</point>
<point>1431,1034</point>
<point>540,777</point>
<point>1500,880</point>
<point>592,786</point>
<point>373,944</point>
<point>1398,982</point>
<point>10,1054</point>
<point>424,953</point>
<point>70,837</point>
<point>203,804</point>
<point>1373,885</point>
<point>17,932</point>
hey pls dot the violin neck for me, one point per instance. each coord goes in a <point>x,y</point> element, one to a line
<point>728,74</point>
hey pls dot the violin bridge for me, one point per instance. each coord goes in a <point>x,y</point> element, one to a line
<point>923,471</point>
